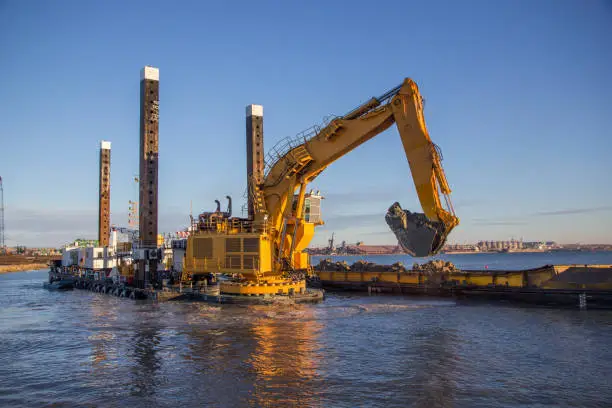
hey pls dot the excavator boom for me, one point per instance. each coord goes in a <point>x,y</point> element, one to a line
<point>420,234</point>
<point>264,253</point>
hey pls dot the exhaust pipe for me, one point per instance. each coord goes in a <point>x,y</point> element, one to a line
<point>229,206</point>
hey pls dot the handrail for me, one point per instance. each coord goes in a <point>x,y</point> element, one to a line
<point>230,226</point>
<point>284,146</point>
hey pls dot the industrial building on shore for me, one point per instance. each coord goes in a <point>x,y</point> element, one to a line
<point>512,245</point>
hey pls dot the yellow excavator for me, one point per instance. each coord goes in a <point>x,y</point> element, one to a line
<point>264,254</point>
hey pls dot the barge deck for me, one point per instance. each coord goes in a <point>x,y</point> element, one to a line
<point>582,286</point>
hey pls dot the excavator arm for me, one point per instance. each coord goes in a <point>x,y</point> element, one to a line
<point>303,160</point>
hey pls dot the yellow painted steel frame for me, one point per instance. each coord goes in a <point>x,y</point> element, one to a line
<point>216,257</point>
<point>514,279</point>
<point>209,252</point>
<point>541,278</point>
<point>303,163</point>
<point>284,288</point>
<point>287,233</point>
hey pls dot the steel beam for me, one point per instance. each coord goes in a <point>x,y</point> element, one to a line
<point>149,153</point>
<point>104,195</point>
<point>255,152</point>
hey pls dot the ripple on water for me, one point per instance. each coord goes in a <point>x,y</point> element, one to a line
<point>80,349</point>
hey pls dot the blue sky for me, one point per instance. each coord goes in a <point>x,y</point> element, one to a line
<point>517,96</point>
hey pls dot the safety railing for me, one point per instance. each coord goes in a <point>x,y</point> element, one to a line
<point>194,288</point>
<point>284,146</point>
<point>230,226</point>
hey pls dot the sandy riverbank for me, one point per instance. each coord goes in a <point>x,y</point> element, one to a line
<point>22,267</point>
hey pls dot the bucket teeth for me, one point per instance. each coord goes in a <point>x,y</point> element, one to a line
<point>415,233</point>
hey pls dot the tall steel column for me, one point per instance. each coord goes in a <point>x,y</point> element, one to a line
<point>149,151</point>
<point>255,153</point>
<point>104,195</point>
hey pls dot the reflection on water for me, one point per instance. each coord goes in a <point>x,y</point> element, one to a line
<point>285,357</point>
<point>250,355</point>
<point>145,343</point>
<point>102,339</point>
<point>82,348</point>
<point>435,369</point>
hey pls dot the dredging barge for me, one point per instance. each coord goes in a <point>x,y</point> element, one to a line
<point>556,285</point>
<point>575,286</point>
<point>262,256</point>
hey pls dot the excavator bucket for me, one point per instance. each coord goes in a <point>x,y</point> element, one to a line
<point>415,233</point>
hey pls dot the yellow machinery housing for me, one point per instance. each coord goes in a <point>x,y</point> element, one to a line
<point>264,253</point>
<point>238,248</point>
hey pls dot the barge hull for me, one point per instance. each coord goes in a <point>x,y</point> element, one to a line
<point>586,298</point>
<point>210,294</point>
<point>584,286</point>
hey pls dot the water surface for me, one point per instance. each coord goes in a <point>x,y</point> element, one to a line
<point>84,349</point>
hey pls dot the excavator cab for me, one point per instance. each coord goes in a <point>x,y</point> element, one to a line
<point>416,234</point>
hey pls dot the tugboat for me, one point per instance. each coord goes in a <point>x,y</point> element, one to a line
<point>57,281</point>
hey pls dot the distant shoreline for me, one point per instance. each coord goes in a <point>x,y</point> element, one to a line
<point>536,251</point>
<point>533,251</point>
<point>22,267</point>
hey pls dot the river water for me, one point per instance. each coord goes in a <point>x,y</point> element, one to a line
<point>79,348</point>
